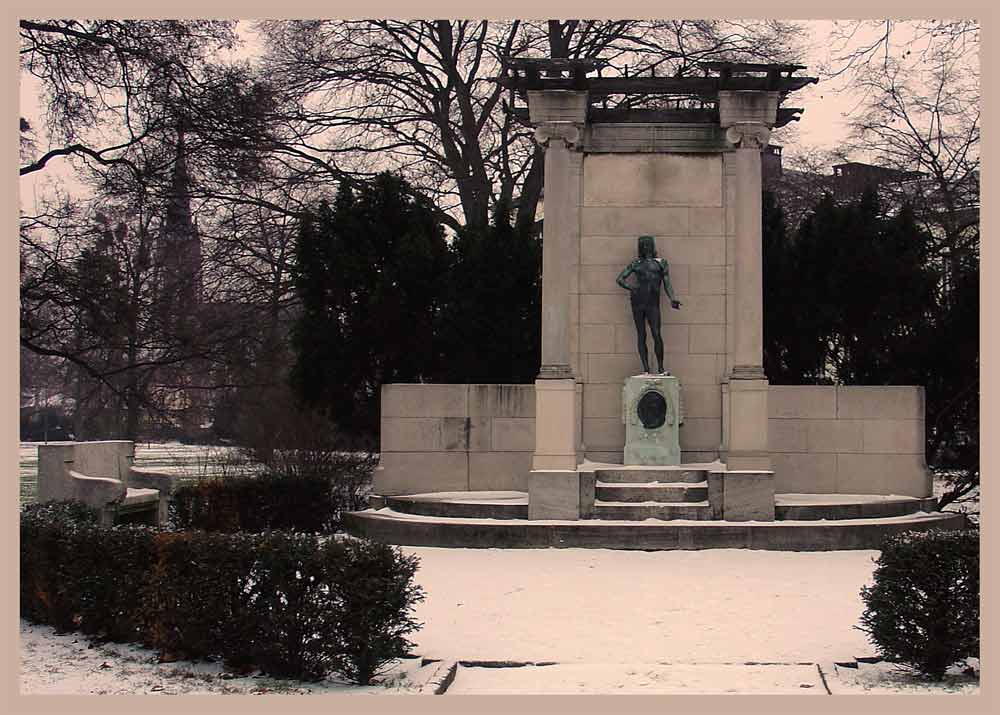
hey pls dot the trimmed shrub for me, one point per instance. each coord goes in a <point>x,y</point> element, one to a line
<point>375,594</point>
<point>197,596</point>
<point>295,605</point>
<point>211,505</point>
<point>109,567</point>
<point>922,610</point>
<point>48,590</point>
<point>72,512</point>
<point>307,502</point>
<point>291,585</point>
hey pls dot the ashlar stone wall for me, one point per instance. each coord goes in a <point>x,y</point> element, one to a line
<point>848,439</point>
<point>823,439</point>
<point>680,199</point>
<point>438,438</point>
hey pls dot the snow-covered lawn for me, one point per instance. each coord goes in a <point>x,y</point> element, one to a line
<point>715,621</point>
<point>68,665</point>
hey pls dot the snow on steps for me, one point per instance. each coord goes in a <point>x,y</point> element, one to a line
<point>663,475</point>
<point>638,511</point>
<point>642,501</point>
<point>652,491</point>
<point>651,534</point>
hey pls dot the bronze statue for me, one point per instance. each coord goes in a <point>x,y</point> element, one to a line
<point>650,272</point>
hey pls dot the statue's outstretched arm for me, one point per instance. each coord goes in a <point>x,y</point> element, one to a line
<point>669,288</point>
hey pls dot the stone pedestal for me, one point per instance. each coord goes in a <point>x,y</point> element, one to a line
<point>564,495</point>
<point>748,495</point>
<point>651,412</point>
<point>556,431</point>
<point>748,426</point>
<point>745,495</point>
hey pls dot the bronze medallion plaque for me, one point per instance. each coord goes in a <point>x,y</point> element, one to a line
<point>652,410</point>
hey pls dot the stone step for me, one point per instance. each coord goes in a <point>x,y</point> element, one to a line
<point>788,507</point>
<point>665,475</point>
<point>396,528</point>
<point>492,505</point>
<point>793,507</point>
<point>638,511</point>
<point>653,491</point>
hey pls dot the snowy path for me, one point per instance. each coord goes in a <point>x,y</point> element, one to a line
<point>598,605</point>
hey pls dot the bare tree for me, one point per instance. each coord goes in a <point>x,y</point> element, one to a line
<point>93,297</point>
<point>422,97</point>
<point>99,75</point>
<point>920,112</point>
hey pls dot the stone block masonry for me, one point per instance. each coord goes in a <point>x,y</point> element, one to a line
<point>678,199</point>
<point>822,439</point>
<point>455,438</point>
<point>848,439</point>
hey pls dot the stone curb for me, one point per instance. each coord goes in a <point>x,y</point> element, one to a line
<point>441,679</point>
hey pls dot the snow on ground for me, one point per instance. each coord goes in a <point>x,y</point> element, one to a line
<point>888,679</point>
<point>645,679</point>
<point>68,664</point>
<point>191,461</point>
<point>596,612</point>
<point>601,605</point>
<point>714,621</point>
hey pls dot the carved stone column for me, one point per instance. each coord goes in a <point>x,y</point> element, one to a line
<point>562,202</point>
<point>748,351</point>
<point>559,117</point>
<point>556,402</point>
<point>748,117</point>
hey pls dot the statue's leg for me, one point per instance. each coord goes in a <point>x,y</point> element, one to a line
<point>653,316</point>
<point>638,315</point>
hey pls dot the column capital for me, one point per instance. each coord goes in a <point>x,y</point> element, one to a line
<point>748,135</point>
<point>569,133</point>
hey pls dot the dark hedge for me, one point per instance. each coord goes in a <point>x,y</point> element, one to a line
<point>48,588</point>
<point>292,604</point>
<point>309,503</point>
<point>922,609</point>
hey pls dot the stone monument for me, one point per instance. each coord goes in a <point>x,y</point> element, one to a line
<point>599,438</point>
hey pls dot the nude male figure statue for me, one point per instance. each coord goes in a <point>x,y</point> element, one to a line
<point>650,273</point>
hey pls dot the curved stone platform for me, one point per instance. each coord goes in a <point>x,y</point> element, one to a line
<point>808,507</point>
<point>415,529</point>
<point>514,505</point>
<point>470,505</point>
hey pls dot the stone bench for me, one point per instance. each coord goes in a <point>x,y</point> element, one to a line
<point>101,475</point>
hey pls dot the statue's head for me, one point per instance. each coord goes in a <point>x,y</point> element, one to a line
<point>647,247</point>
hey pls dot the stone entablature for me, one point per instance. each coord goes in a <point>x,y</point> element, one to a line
<point>654,138</point>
